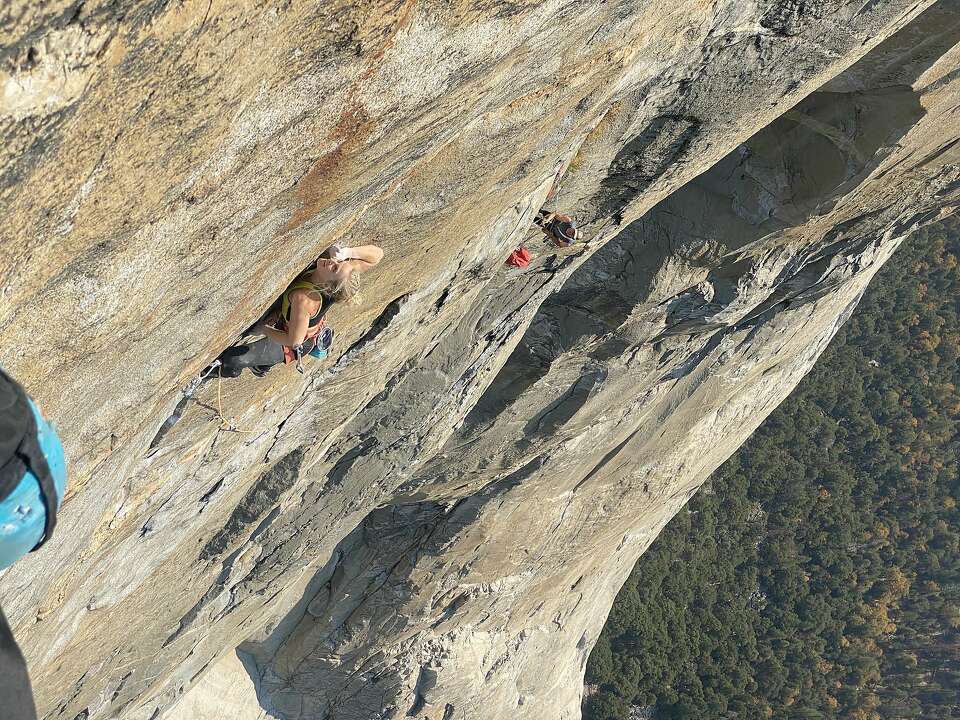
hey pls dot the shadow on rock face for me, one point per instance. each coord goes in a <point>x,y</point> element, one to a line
<point>644,159</point>
<point>307,678</point>
<point>797,168</point>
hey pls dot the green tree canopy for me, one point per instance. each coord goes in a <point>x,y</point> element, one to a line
<point>818,576</point>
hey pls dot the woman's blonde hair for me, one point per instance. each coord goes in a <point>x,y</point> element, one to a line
<point>346,290</point>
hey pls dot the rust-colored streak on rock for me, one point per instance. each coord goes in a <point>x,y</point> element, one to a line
<point>331,172</point>
<point>432,129</point>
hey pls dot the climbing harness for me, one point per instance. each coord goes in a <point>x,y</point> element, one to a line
<point>310,345</point>
<point>296,353</point>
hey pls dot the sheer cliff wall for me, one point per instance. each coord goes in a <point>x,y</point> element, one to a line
<point>434,522</point>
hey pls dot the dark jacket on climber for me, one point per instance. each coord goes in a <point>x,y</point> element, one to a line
<point>33,479</point>
<point>560,228</point>
<point>297,325</point>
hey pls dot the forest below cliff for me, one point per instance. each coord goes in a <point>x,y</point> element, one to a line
<point>817,572</point>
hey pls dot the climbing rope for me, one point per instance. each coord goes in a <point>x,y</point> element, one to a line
<point>226,424</point>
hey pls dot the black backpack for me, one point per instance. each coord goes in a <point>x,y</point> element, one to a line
<point>20,451</point>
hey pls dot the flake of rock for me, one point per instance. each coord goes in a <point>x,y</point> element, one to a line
<point>435,520</point>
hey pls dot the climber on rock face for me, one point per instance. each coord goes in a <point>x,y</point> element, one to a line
<point>33,479</point>
<point>298,327</point>
<point>560,228</point>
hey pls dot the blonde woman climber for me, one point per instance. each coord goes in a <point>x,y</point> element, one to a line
<point>298,327</point>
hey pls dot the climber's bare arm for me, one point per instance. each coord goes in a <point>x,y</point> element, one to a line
<point>298,325</point>
<point>364,257</point>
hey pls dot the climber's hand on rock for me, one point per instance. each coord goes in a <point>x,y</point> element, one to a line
<point>337,252</point>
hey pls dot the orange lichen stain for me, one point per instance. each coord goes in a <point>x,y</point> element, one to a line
<point>331,172</point>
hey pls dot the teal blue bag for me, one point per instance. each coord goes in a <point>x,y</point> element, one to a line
<point>324,341</point>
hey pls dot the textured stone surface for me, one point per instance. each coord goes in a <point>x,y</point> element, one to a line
<point>225,692</point>
<point>435,521</point>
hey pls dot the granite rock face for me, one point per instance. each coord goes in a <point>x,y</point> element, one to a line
<point>432,523</point>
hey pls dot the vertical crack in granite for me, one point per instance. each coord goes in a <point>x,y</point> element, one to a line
<point>737,292</point>
<point>458,493</point>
